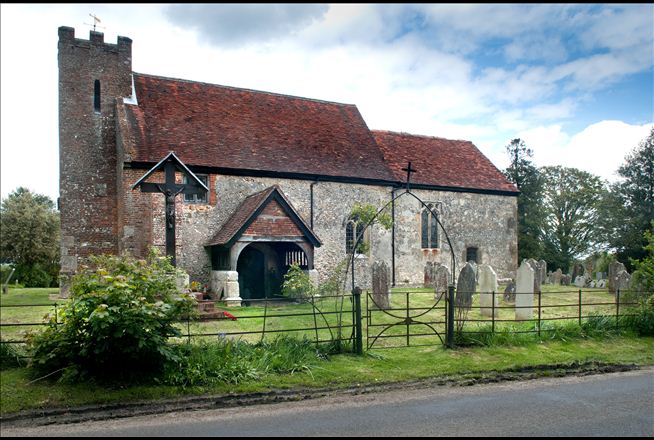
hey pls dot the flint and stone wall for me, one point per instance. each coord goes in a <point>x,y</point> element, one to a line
<point>486,222</point>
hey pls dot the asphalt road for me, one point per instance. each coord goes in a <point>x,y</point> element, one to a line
<point>616,404</point>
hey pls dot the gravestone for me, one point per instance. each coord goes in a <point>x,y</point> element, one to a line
<point>381,292</point>
<point>580,281</point>
<point>577,270</point>
<point>524,292</point>
<point>428,281</point>
<point>441,281</point>
<point>509,292</point>
<point>601,284</point>
<point>557,277</point>
<point>622,282</point>
<point>543,271</point>
<point>565,280</point>
<point>465,286</point>
<point>536,267</point>
<point>487,290</point>
<point>615,267</point>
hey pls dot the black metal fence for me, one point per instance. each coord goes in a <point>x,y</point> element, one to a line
<point>411,317</point>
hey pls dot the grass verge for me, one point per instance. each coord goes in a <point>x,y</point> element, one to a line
<point>19,392</point>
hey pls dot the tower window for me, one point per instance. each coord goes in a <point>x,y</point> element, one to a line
<point>96,96</point>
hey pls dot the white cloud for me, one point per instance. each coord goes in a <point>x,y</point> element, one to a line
<point>598,149</point>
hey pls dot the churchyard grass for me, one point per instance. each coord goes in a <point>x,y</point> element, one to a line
<point>25,306</point>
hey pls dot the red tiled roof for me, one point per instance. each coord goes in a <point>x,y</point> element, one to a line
<point>217,126</point>
<point>440,162</point>
<point>246,212</point>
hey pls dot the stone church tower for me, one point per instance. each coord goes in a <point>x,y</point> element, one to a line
<point>92,74</point>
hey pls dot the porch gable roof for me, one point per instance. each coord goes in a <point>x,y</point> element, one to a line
<point>248,211</point>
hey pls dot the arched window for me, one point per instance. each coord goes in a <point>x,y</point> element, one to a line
<point>353,230</point>
<point>96,96</point>
<point>429,228</point>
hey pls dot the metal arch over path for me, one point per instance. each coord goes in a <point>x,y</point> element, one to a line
<point>450,298</point>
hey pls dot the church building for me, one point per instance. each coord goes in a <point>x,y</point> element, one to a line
<point>273,181</point>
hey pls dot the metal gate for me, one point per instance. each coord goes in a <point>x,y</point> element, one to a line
<point>413,318</point>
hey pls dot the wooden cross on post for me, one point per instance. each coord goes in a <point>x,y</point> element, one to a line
<point>408,170</point>
<point>170,164</point>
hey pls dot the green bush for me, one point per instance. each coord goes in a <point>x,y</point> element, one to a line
<point>297,283</point>
<point>642,321</point>
<point>117,323</point>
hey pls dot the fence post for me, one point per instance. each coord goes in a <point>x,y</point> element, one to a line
<point>580,307</point>
<point>56,319</point>
<point>493,313</point>
<point>617,309</point>
<point>358,332</point>
<point>539,311</point>
<point>450,316</point>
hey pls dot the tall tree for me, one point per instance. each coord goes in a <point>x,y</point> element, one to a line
<point>572,199</point>
<point>527,178</point>
<point>631,208</point>
<point>29,237</point>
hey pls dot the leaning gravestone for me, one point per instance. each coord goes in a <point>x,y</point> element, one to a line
<point>577,270</point>
<point>615,267</point>
<point>509,292</point>
<point>601,284</point>
<point>441,281</point>
<point>524,292</point>
<point>381,292</point>
<point>465,286</point>
<point>487,290</point>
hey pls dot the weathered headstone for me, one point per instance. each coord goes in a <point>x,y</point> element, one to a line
<point>543,271</point>
<point>577,270</point>
<point>557,277</point>
<point>428,276</point>
<point>381,292</point>
<point>465,286</point>
<point>441,281</point>
<point>580,281</point>
<point>622,282</point>
<point>615,267</point>
<point>524,292</point>
<point>487,290</point>
<point>509,292</point>
<point>536,267</point>
<point>565,280</point>
<point>601,284</point>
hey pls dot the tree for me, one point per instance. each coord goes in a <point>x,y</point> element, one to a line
<point>527,178</point>
<point>572,199</point>
<point>29,237</point>
<point>630,206</point>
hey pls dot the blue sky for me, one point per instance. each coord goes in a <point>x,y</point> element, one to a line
<point>573,81</point>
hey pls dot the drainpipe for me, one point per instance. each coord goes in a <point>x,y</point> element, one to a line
<point>393,237</point>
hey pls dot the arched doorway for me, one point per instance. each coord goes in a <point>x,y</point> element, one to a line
<point>251,273</point>
<point>261,268</point>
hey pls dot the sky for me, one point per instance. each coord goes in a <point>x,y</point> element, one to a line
<point>574,81</point>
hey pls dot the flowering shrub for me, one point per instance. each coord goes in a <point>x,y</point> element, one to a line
<point>297,283</point>
<point>117,322</point>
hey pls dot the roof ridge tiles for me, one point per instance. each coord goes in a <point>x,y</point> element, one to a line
<point>245,89</point>
<point>426,136</point>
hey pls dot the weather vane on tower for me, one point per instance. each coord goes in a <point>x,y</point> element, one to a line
<point>96,20</point>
